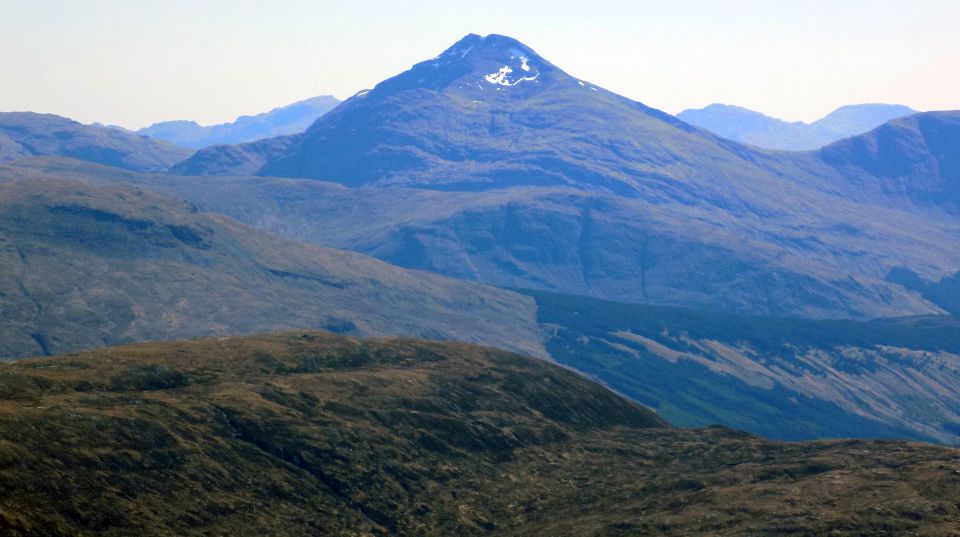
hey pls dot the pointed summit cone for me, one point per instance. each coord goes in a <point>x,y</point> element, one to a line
<point>489,112</point>
<point>475,64</point>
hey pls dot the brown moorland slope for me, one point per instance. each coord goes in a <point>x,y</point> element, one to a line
<point>310,433</point>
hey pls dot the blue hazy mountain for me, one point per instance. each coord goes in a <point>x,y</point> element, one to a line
<point>490,163</point>
<point>753,128</point>
<point>290,119</point>
<point>488,112</point>
<point>914,157</point>
<point>27,134</point>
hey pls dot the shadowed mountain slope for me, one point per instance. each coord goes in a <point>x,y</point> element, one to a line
<point>291,119</point>
<point>817,259</point>
<point>26,134</point>
<point>308,433</point>
<point>791,379</point>
<point>753,128</point>
<point>86,266</point>
<point>915,158</point>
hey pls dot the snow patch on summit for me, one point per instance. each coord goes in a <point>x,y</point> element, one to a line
<point>502,77</point>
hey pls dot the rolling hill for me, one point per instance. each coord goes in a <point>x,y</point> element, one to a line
<point>756,129</point>
<point>291,119</point>
<point>310,433</point>
<point>85,266</point>
<point>26,134</point>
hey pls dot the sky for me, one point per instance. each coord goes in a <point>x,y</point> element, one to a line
<point>133,63</point>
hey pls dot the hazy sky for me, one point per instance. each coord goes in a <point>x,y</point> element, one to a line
<point>134,62</point>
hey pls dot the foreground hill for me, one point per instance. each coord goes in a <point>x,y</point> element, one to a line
<point>308,433</point>
<point>291,119</point>
<point>25,134</point>
<point>489,163</point>
<point>753,128</point>
<point>84,266</point>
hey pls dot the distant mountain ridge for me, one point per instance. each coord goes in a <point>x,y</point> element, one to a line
<point>913,157</point>
<point>27,134</point>
<point>756,129</point>
<point>290,119</point>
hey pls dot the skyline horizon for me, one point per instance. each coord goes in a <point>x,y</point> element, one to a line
<point>241,114</point>
<point>211,61</point>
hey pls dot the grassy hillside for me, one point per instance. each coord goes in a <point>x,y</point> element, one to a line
<point>782,378</point>
<point>310,433</point>
<point>84,266</point>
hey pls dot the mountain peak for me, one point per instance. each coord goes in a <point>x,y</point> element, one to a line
<point>474,63</point>
<point>493,43</point>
